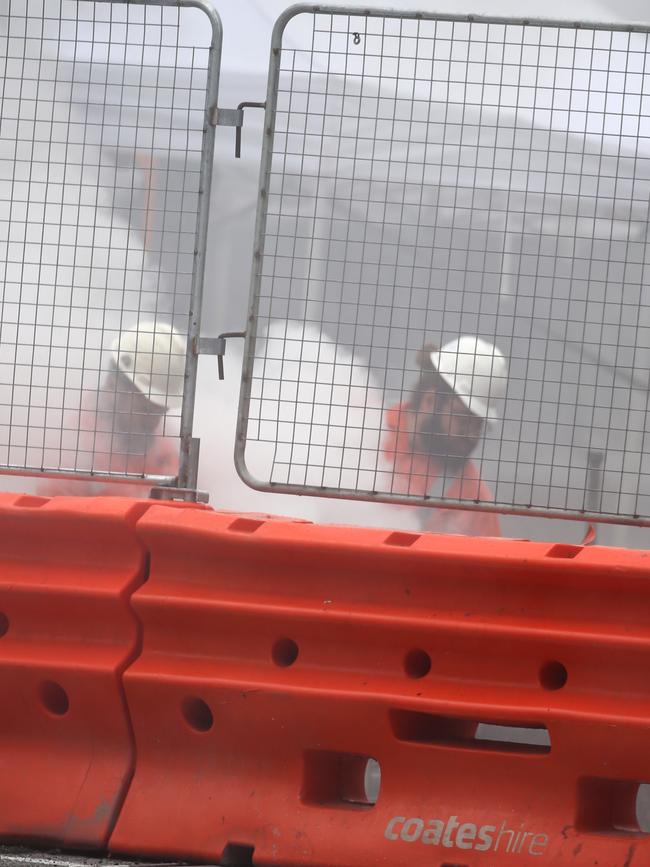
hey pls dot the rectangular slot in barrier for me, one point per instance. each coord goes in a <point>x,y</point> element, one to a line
<point>426,728</point>
<point>237,855</point>
<point>612,805</point>
<point>343,779</point>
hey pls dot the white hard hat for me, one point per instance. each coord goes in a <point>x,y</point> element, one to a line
<point>152,356</point>
<point>476,371</point>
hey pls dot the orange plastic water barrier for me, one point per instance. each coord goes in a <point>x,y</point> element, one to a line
<point>67,632</point>
<point>184,683</point>
<point>283,664</point>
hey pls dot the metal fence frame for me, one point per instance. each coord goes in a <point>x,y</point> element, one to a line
<point>189,457</point>
<point>589,513</point>
<point>188,445</point>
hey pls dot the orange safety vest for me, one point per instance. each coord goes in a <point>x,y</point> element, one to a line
<point>415,473</point>
<point>96,446</point>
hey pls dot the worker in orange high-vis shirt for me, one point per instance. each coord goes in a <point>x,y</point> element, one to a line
<point>120,426</point>
<point>432,435</point>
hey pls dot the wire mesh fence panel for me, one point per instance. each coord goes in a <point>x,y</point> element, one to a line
<point>102,153</point>
<point>460,207</point>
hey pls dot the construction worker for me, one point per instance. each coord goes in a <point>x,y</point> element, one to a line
<point>121,425</point>
<point>432,436</point>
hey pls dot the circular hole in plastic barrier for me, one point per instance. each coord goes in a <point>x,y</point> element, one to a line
<point>285,652</point>
<point>553,675</point>
<point>197,714</point>
<point>54,698</point>
<point>417,663</point>
<point>4,624</point>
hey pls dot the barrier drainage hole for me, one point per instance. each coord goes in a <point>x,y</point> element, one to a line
<point>54,698</point>
<point>285,652</point>
<point>197,714</point>
<point>417,663</point>
<point>4,624</point>
<point>553,675</point>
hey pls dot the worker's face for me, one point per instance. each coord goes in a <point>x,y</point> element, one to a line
<point>445,427</point>
<point>132,411</point>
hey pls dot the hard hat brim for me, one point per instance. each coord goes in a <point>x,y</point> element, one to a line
<point>163,399</point>
<point>474,404</point>
<point>157,398</point>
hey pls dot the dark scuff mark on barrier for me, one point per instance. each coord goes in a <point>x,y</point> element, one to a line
<point>630,855</point>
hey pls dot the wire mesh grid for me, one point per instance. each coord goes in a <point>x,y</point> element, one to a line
<point>101,134</point>
<point>449,299</point>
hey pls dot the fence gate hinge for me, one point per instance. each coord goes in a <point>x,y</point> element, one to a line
<point>233,117</point>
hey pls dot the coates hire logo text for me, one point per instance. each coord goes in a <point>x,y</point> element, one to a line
<point>466,835</point>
